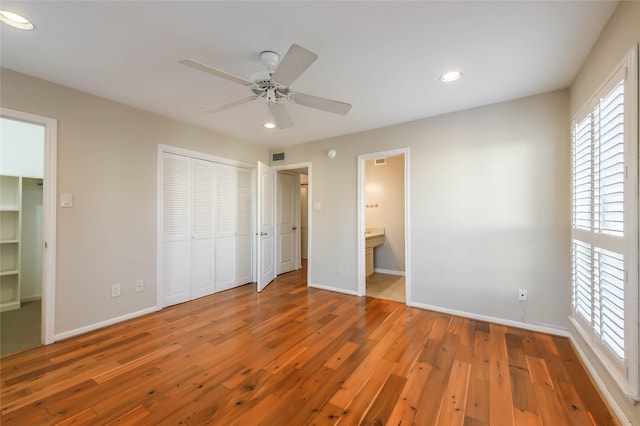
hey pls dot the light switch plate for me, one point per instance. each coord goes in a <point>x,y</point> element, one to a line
<point>317,206</point>
<point>66,200</point>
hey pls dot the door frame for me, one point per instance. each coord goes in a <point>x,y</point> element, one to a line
<point>49,196</point>
<point>308,166</point>
<point>362,278</point>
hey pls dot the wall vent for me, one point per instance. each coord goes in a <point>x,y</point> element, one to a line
<point>279,156</point>
<point>380,161</point>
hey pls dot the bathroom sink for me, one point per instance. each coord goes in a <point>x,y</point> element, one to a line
<point>374,237</point>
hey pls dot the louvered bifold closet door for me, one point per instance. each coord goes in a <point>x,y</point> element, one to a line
<point>225,227</point>
<point>243,227</point>
<point>176,229</point>
<point>203,238</point>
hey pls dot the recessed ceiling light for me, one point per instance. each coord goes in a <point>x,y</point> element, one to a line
<point>15,20</point>
<point>269,125</point>
<point>450,76</point>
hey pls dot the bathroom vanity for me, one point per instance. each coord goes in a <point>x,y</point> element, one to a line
<point>374,237</point>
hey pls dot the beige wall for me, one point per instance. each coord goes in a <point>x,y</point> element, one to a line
<point>384,194</point>
<point>107,159</point>
<point>489,208</point>
<point>619,36</point>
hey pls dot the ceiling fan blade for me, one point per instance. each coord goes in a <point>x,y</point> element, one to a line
<point>328,105</point>
<point>206,68</point>
<point>294,63</point>
<point>230,104</point>
<point>281,116</point>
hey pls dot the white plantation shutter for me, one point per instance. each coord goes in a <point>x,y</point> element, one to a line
<point>581,289</point>
<point>608,163</point>
<point>582,175</point>
<point>609,312</point>
<point>605,226</point>
<point>598,209</point>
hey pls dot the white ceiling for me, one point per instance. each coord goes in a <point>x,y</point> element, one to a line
<point>382,57</point>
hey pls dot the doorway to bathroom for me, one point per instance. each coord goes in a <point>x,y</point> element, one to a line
<point>383,226</point>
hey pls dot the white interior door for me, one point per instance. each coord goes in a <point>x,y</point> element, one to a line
<point>288,200</point>
<point>266,225</point>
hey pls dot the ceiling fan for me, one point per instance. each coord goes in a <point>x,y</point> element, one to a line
<point>273,84</point>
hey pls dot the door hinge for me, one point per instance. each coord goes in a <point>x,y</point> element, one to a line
<point>45,244</point>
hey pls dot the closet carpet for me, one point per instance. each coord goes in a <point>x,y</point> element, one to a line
<point>20,328</point>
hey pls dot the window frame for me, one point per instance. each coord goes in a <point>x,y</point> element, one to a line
<point>625,373</point>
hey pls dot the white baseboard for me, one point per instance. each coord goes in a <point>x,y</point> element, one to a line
<point>336,289</point>
<point>389,272</point>
<point>524,325</point>
<point>101,324</point>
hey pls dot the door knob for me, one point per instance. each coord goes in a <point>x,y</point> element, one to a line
<point>294,228</point>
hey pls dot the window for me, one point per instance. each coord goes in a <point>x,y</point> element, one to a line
<point>604,278</point>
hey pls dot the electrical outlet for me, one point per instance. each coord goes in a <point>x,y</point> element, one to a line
<point>115,290</point>
<point>522,295</point>
<point>139,285</point>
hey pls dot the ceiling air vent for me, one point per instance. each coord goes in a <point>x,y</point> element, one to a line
<point>380,161</point>
<point>279,156</point>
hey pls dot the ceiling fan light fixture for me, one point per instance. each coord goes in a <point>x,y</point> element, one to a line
<point>15,20</point>
<point>451,76</point>
<point>269,125</point>
<point>270,59</point>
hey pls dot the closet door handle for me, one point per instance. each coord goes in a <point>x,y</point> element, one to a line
<point>295,227</point>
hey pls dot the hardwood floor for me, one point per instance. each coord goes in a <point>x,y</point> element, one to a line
<point>293,355</point>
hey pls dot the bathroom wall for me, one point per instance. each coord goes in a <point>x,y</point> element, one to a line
<point>384,199</point>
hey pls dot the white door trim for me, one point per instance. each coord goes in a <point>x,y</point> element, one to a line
<point>49,206</point>
<point>362,278</point>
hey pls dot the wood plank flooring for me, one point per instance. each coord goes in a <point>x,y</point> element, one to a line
<point>293,355</point>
